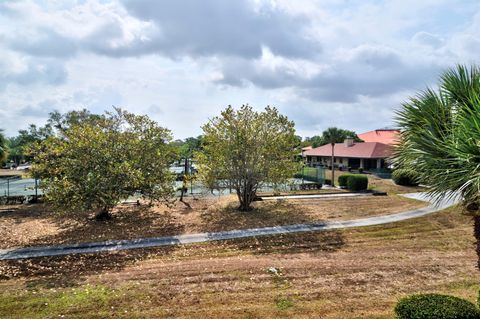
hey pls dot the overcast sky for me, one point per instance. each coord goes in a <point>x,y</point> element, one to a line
<point>323,63</point>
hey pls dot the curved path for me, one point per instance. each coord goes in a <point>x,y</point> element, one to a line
<point>112,245</point>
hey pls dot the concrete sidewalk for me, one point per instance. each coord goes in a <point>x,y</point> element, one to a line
<point>113,245</point>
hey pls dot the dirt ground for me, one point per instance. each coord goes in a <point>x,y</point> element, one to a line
<point>26,225</point>
<point>11,172</point>
<point>355,273</point>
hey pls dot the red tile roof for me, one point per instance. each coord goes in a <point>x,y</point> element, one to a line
<point>357,150</point>
<point>385,136</point>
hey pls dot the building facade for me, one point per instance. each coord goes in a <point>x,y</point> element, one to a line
<point>373,153</point>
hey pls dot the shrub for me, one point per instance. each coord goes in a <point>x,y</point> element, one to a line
<point>427,306</point>
<point>328,182</point>
<point>342,179</point>
<point>357,182</point>
<point>405,177</point>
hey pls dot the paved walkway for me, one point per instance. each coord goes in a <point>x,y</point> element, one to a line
<point>317,196</point>
<point>112,245</point>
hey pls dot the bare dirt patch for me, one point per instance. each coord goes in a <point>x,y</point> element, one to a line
<point>29,225</point>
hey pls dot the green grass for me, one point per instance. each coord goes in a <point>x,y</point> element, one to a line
<point>85,302</point>
<point>283,303</point>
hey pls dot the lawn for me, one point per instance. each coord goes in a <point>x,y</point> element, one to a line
<point>355,273</point>
<point>38,225</point>
<point>380,184</point>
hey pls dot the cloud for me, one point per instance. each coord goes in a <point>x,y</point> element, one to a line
<point>217,27</point>
<point>365,70</point>
<point>427,39</point>
<point>31,71</point>
<point>44,43</point>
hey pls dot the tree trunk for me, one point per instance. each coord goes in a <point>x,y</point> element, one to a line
<point>185,169</point>
<point>476,232</point>
<point>103,214</point>
<point>245,196</point>
<point>333,166</point>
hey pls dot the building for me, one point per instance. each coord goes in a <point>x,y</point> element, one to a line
<point>371,154</point>
<point>387,136</point>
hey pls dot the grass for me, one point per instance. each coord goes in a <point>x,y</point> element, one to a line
<point>354,273</point>
<point>89,300</point>
<point>380,184</point>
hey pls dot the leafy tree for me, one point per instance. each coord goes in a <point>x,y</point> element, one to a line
<point>245,149</point>
<point>20,143</point>
<point>314,141</point>
<point>57,123</point>
<point>439,139</point>
<point>187,149</point>
<point>3,147</point>
<point>96,162</point>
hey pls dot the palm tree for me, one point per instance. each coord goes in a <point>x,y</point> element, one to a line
<point>3,147</point>
<point>440,139</point>
<point>333,135</point>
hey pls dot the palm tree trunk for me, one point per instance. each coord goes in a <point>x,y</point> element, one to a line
<point>476,232</point>
<point>333,166</point>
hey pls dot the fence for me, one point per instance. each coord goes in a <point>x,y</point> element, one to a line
<point>312,174</point>
<point>384,173</point>
<point>16,186</point>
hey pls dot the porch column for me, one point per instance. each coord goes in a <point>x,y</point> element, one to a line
<point>379,163</point>
<point>361,163</point>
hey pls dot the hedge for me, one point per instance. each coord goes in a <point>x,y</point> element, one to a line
<point>405,177</point>
<point>342,179</point>
<point>430,306</point>
<point>357,182</point>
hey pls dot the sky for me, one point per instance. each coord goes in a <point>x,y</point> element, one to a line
<point>323,63</point>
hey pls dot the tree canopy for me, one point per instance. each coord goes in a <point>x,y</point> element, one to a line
<point>245,149</point>
<point>56,124</point>
<point>94,163</point>
<point>3,147</point>
<point>337,135</point>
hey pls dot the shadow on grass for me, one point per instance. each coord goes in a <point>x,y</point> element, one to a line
<point>128,222</point>
<point>306,242</point>
<point>71,270</point>
<point>265,214</point>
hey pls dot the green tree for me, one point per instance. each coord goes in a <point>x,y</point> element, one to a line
<point>187,149</point>
<point>95,163</point>
<point>341,135</point>
<point>56,124</point>
<point>245,149</point>
<point>3,147</point>
<point>314,141</point>
<point>439,139</point>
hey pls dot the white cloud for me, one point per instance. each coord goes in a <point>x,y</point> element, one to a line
<point>323,63</point>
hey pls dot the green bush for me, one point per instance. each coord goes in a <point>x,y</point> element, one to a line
<point>405,177</point>
<point>342,179</point>
<point>327,182</point>
<point>357,182</point>
<point>435,306</point>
